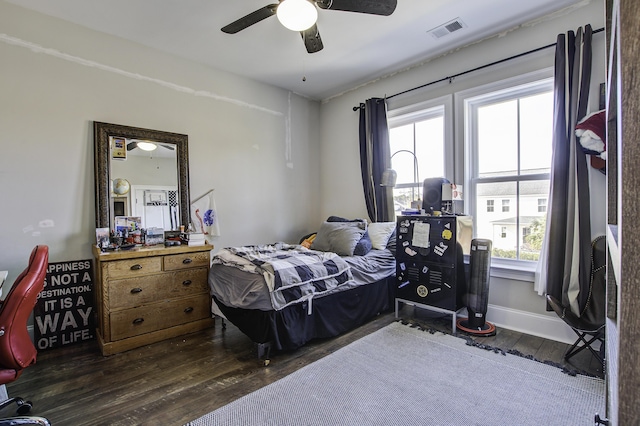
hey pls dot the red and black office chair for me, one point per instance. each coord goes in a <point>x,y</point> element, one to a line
<point>17,350</point>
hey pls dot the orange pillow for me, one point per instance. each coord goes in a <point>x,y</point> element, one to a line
<point>307,242</point>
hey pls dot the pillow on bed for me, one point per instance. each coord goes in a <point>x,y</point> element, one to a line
<point>364,245</point>
<point>391,244</point>
<point>339,237</point>
<point>308,240</point>
<point>379,232</point>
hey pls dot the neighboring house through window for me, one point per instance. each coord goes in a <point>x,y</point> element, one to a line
<point>489,206</point>
<point>542,205</point>
<point>508,157</point>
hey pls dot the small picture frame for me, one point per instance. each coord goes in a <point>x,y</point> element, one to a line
<point>127,223</point>
<point>118,148</point>
<point>102,237</point>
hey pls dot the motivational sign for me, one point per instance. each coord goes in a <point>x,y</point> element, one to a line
<point>64,311</point>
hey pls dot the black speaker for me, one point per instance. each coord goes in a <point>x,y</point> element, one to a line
<point>432,194</point>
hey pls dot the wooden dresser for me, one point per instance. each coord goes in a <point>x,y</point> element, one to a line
<point>150,294</point>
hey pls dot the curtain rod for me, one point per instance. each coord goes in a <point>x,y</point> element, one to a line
<point>450,78</point>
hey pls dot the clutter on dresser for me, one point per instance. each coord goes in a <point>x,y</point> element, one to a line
<point>153,236</point>
<point>128,235</point>
<point>193,239</point>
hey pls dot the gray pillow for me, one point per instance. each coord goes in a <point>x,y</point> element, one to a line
<point>339,237</point>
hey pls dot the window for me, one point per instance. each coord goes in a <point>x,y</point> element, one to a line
<point>417,140</point>
<point>508,131</point>
<point>542,205</point>
<point>489,206</point>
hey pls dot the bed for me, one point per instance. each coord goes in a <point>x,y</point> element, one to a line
<point>282,295</point>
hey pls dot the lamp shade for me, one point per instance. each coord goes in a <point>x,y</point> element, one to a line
<point>389,178</point>
<point>297,15</point>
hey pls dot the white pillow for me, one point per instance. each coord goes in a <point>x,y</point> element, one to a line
<point>379,232</point>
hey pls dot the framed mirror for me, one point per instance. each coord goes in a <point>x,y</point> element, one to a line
<point>140,173</point>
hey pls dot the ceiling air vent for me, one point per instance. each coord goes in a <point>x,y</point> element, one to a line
<point>447,28</point>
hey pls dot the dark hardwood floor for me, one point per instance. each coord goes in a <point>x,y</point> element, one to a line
<point>181,379</point>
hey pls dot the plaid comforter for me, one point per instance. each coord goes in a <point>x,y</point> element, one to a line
<point>293,273</point>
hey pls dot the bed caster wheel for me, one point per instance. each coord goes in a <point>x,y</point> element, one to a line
<point>265,362</point>
<point>24,407</point>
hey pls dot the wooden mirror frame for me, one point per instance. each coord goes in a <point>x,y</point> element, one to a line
<point>102,165</point>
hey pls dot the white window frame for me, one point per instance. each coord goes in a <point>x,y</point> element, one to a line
<point>502,268</point>
<point>424,110</point>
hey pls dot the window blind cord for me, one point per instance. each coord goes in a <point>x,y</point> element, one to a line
<point>452,77</point>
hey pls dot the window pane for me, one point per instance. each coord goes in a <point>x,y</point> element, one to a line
<point>401,137</point>
<point>497,226</point>
<point>536,129</point>
<point>401,143</point>
<point>402,198</point>
<point>497,126</point>
<point>425,138</point>
<point>518,232</point>
<point>430,147</point>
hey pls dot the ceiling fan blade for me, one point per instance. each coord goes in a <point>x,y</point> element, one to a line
<point>250,19</point>
<point>373,7</point>
<point>312,40</point>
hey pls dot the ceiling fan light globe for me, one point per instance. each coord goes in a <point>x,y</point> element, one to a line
<point>297,15</point>
<point>147,146</point>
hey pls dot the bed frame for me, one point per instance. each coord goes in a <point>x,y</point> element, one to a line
<point>293,326</point>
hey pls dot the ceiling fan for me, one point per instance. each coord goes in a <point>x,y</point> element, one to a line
<point>309,30</point>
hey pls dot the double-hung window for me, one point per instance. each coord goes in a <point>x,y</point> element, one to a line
<point>508,133</point>
<point>420,139</point>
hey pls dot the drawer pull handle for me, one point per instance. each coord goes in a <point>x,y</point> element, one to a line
<point>136,267</point>
<point>138,321</point>
<point>187,261</point>
<point>188,310</point>
<point>136,290</point>
<point>186,282</point>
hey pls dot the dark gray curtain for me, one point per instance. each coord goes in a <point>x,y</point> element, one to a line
<point>375,158</point>
<point>568,234</point>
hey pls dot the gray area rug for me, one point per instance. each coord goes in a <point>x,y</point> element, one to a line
<point>401,375</point>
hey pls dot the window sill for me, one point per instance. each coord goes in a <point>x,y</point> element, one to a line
<point>513,270</point>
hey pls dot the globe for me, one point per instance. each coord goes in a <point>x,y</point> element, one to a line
<point>121,186</point>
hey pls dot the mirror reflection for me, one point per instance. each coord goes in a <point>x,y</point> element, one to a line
<point>140,173</point>
<point>144,182</point>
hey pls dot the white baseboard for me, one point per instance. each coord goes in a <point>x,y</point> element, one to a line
<point>548,327</point>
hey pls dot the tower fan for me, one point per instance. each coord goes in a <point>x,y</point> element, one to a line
<point>477,298</point>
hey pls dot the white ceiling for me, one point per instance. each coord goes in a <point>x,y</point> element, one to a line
<point>358,48</point>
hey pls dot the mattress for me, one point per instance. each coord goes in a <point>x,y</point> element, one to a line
<point>239,288</point>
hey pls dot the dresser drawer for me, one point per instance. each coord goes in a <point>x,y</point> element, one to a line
<point>186,260</point>
<point>156,316</point>
<point>131,292</point>
<point>132,267</point>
